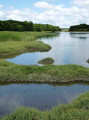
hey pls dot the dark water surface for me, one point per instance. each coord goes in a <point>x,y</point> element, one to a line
<point>41,96</point>
<point>67,48</point>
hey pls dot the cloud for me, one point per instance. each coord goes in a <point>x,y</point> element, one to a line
<point>43,5</point>
<point>20,15</point>
<point>81,2</point>
<point>2,14</point>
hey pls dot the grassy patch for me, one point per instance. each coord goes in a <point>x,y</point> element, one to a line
<point>17,42</point>
<point>46,61</point>
<point>10,72</point>
<point>77,110</point>
<point>65,29</point>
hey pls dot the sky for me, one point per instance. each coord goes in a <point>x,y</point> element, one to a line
<point>63,13</point>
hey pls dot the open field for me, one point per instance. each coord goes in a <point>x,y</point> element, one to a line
<point>77,110</point>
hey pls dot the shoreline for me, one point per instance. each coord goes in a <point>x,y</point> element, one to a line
<point>39,83</point>
<point>77,109</point>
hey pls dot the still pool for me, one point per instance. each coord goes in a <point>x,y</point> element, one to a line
<point>40,96</point>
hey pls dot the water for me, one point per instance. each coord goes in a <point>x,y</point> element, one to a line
<point>41,96</point>
<point>67,48</point>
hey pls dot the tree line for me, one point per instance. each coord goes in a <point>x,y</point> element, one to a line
<point>13,25</point>
<point>81,27</point>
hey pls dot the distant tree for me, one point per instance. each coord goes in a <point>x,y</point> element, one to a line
<point>17,27</point>
<point>81,27</point>
<point>37,27</point>
<point>30,26</point>
<point>13,25</point>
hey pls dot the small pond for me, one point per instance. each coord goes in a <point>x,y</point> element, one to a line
<point>41,96</point>
<point>67,48</point>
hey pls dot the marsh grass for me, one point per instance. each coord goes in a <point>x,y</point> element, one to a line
<point>10,72</point>
<point>13,42</point>
<point>46,61</point>
<point>77,110</point>
<point>11,47</point>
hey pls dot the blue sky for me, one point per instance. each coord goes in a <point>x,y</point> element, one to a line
<point>57,12</point>
<point>29,3</point>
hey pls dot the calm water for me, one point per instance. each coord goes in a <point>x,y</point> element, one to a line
<point>41,96</point>
<point>67,48</point>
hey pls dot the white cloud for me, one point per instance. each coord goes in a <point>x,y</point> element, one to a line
<point>81,2</point>
<point>2,14</point>
<point>43,5</point>
<point>21,15</point>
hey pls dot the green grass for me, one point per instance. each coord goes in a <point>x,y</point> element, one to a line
<point>65,29</point>
<point>10,72</point>
<point>77,110</point>
<point>18,42</point>
<point>22,36</point>
<point>46,61</point>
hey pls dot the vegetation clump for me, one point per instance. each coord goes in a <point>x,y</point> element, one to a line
<point>81,27</point>
<point>88,61</point>
<point>77,110</point>
<point>46,61</point>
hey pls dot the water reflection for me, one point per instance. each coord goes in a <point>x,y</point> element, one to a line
<point>79,33</point>
<point>41,96</point>
<point>67,48</point>
<point>81,36</point>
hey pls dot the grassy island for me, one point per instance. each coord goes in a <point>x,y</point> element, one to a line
<point>77,110</point>
<point>46,61</point>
